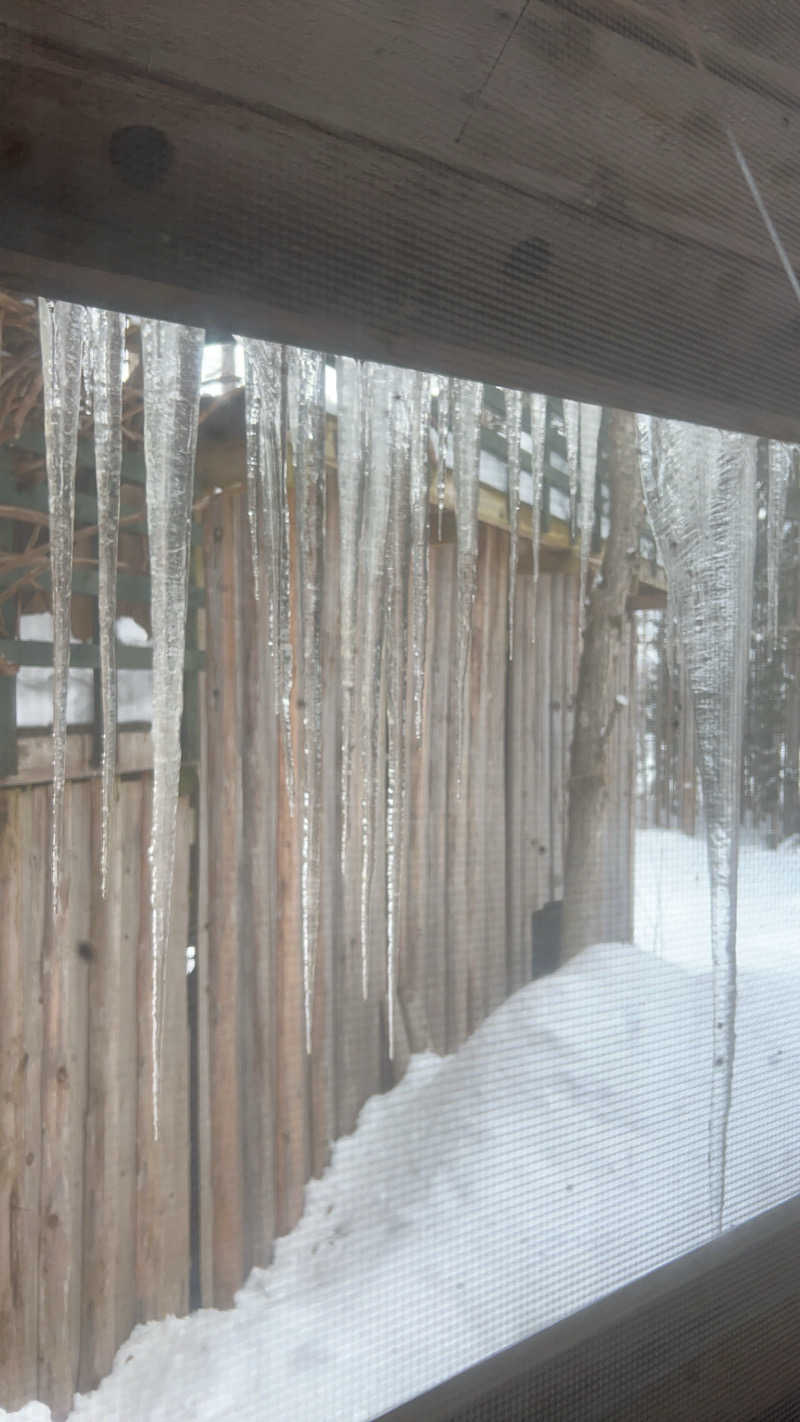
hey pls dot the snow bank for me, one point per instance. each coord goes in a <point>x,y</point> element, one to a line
<point>560,1153</point>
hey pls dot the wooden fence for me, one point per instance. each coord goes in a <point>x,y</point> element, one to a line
<point>95,1213</point>
<point>474,867</point>
<point>100,1226</point>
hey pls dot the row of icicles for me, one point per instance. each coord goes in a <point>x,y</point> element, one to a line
<point>392,462</point>
<point>387,446</point>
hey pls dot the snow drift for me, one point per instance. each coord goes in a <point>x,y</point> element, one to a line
<point>560,1153</point>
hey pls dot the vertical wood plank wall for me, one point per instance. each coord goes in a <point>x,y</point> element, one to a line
<point>478,864</point>
<point>95,1216</point>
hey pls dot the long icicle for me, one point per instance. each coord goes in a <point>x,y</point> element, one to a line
<point>572,436</point>
<point>513,436</point>
<point>780,465</point>
<point>105,354</point>
<point>420,435</point>
<point>467,402</point>
<point>350,475</point>
<point>306,375</point>
<point>446,391</point>
<point>61,335</point>
<point>538,413</point>
<point>267,514</point>
<point>377,489</point>
<point>700,490</point>
<point>404,416</point>
<point>172,358</point>
<point>591,415</point>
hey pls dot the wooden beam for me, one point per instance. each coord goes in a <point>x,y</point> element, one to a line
<point>714,1333</point>
<point>35,757</point>
<point>276,226</point>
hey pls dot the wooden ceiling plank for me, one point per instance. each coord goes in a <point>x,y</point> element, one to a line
<point>279,228</point>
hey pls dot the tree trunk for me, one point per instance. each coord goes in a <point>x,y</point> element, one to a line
<point>596,706</point>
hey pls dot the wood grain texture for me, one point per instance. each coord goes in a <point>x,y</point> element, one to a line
<point>224,751</point>
<point>258,766</point>
<point>478,865</point>
<point>547,204</point>
<point>64,1073</point>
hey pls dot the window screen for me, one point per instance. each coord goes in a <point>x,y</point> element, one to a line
<point>400,688</point>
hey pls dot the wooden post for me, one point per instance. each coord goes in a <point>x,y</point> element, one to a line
<point>109,1296</point>
<point>224,750</point>
<point>596,706</point>
<point>17,1317</point>
<point>256,1036</point>
<point>291,1116</point>
<point>64,1007</point>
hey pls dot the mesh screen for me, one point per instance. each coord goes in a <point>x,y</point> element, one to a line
<point>458,1053</point>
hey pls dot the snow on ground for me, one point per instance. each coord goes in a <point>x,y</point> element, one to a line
<point>559,1154</point>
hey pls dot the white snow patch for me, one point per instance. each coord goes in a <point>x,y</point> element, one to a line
<point>560,1153</point>
<point>35,684</point>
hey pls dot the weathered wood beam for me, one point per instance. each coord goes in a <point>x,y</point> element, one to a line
<point>278,227</point>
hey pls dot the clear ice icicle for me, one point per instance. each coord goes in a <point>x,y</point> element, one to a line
<point>268,518</point>
<point>572,435</point>
<point>513,436</point>
<point>350,472</point>
<point>780,466</point>
<point>172,358</point>
<point>700,491</point>
<point>420,434</point>
<point>538,413</point>
<point>377,490</point>
<point>105,353</point>
<point>61,335</point>
<point>404,417</point>
<point>466,413</point>
<point>306,378</point>
<point>443,429</point>
<point>591,415</point>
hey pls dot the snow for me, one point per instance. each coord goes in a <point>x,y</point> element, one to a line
<point>35,684</point>
<point>495,1191</point>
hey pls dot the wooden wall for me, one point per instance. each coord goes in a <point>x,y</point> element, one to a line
<point>94,1215</point>
<point>99,1225</point>
<point>474,867</point>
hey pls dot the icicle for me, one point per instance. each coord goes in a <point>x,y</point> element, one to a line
<point>306,377</point>
<point>350,467</point>
<point>420,433</point>
<point>443,426</point>
<point>467,401</point>
<point>538,413</point>
<point>61,335</point>
<point>172,358</point>
<point>572,435</point>
<point>700,490</point>
<point>591,416</point>
<point>268,515</point>
<point>105,352</point>
<point>780,466</point>
<point>404,416</point>
<point>377,490</point>
<point>513,435</point>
